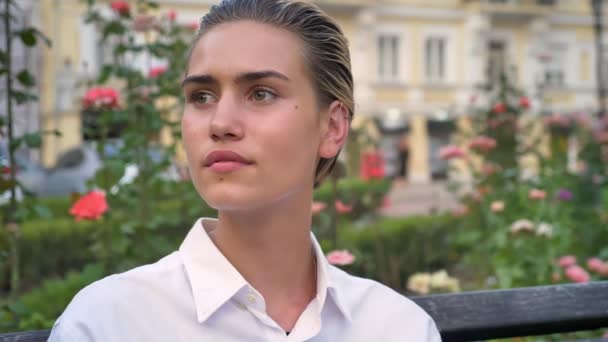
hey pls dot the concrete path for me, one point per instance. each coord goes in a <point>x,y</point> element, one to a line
<point>411,199</point>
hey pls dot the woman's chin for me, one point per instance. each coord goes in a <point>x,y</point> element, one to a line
<point>223,199</point>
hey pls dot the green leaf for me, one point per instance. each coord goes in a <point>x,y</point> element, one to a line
<point>26,79</point>
<point>3,57</point>
<point>27,36</point>
<point>7,184</point>
<point>43,212</point>
<point>2,120</point>
<point>33,140</point>
<point>106,72</point>
<point>54,132</point>
<point>21,97</point>
<point>15,143</point>
<point>113,28</point>
<point>19,308</point>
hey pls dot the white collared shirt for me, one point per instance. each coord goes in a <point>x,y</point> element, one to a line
<point>195,294</point>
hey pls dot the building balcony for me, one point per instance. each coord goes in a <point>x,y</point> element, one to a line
<point>513,9</point>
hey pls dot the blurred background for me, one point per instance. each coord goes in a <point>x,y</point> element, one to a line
<point>476,160</point>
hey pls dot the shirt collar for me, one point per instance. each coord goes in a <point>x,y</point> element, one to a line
<point>214,280</point>
<point>326,283</point>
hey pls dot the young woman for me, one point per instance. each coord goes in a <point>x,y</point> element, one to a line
<point>269,99</point>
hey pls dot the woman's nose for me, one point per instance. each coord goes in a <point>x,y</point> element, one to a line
<point>226,122</point>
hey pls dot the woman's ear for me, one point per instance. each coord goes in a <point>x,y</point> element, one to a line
<point>335,126</point>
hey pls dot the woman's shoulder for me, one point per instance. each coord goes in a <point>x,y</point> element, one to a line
<point>128,289</point>
<point>364,295</point>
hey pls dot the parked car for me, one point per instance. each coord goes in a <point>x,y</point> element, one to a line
<point>78,165</point>
<point>71,172</point>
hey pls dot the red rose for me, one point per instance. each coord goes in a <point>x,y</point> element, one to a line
<point>156,71</point>
<point>90,206</point>
<point>193,26</point>
<point>100,97</point>
<point>172,15</point>
<point>524,102</point>
<point>372,165</point>
<point>121,7</point>
<point>500,108</point>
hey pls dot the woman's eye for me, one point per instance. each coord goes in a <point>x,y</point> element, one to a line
<point>263,95</point>
<point>201,98</point>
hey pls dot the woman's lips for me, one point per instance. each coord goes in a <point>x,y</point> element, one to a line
<point>226,166</point>
<point>223,161</point>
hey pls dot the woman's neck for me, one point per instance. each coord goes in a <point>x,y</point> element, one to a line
<point>272,250</point>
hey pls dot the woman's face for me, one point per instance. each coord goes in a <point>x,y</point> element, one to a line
<point>251,126</point>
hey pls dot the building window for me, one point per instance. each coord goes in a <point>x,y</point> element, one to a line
<point>555,68</point>
<point>497,60</point>
<point>388,57</point>
<point>604,61</point>
<point>435,59</point>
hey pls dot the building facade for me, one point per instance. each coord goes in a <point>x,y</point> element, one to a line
<point>416,63</point>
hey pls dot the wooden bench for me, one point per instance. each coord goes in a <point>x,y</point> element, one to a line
<point>481,315</point>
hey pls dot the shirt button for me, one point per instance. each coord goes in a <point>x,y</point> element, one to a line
<point>251,298</point>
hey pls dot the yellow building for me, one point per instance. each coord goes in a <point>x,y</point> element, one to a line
<point>416,63</point>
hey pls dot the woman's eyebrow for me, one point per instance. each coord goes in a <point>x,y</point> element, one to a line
<point>245,77</point>
<point>200,79</point>
<point>257,75</point>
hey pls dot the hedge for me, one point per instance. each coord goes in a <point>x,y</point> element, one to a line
<point>388,251</point>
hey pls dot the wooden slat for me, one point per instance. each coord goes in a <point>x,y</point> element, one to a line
<point>28,336</point>
<point>519,312</point>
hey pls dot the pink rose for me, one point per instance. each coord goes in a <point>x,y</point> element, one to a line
<point>557,120</point>
<point>577,274</point>
<point>340,257</point>
<point>460,212</point>
<point>482,143</point>
<point>595,264</point>
<point>142,23</point>
<point>317,207</point>
<point>193,26</point>
<point>342,208</point>
<point>497,206</point>
<point>567,261</point>
<point>537,194</point>
<point>450,152</point>
<point>489,169</point>
<point>601,137</point>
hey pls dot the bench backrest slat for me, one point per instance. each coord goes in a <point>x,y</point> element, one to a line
<point>27,336</point>
<point>519,312</point>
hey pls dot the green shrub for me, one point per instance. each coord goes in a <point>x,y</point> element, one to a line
<point>390,250</point>
<point>53,247</point>
<point>364,196</point>
<point>39,308</point>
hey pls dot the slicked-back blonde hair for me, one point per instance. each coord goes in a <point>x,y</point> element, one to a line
<point>325,47</point>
